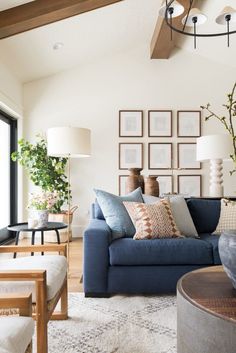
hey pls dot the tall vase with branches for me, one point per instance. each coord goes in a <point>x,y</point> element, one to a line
<point>228,120</point>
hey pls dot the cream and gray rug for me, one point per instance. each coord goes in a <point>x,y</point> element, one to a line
<point>120,324</point>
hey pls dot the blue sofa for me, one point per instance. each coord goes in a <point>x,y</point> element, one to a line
<point>147,266</point>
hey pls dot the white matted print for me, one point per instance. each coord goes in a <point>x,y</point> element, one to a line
<point>122,184</point>
<point>190,185</point>
<point>160,155</point>
<point>187,156</point>
<point>189,123</point>
<point>130,155</point>
<point>130,123</point>
<point>159,123</point>
<point>165,184</point>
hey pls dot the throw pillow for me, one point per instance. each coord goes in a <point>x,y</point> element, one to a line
<point>180,213</point>
<point>115,212</point>
<point>152,220</point>
<point>182,216</point>
<point>227,219</point>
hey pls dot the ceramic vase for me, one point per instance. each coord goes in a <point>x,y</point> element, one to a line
<point>134,180</point>
<point>41,216</point>
<point>152,186</point>
<point>227,251</point>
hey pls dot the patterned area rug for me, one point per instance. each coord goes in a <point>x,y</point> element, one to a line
<point>121,324</point>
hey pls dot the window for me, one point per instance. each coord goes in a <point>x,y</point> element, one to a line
<point>8,174</point>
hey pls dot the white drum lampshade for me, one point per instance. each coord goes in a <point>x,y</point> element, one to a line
<point>215,148</point>
<point>73,142</point>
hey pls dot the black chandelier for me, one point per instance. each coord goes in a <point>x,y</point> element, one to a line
<point>194,18</point>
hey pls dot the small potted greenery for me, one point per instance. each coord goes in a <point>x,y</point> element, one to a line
<point>39,206</point>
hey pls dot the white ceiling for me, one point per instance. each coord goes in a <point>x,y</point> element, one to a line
<point>7,4</point>
<point>107,31</point>
<point>87,38</point>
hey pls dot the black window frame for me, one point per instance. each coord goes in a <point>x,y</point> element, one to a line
<point>6,235</point>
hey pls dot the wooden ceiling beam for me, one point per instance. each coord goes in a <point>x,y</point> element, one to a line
<point>161,44</point>
<point>38,13</point>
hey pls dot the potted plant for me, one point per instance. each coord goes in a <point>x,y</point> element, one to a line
<point>39,205</point>
<point>48,173</point>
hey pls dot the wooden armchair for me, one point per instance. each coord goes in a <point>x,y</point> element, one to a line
<point>16,332</point>
<point>45,277</point>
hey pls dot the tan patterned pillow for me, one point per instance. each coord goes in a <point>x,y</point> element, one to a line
<point>152,220</point>
<point>227,219</point>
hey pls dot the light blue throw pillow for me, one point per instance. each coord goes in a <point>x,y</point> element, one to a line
<point>115,212</point>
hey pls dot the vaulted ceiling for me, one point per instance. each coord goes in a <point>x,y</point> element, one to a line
<point>108,31</point>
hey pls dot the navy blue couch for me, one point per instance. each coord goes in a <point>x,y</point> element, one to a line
<point>147,266</point>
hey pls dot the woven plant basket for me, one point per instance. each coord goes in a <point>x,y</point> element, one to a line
<point>50,237</point>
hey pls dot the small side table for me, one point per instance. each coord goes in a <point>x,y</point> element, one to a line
<point>23,227</point>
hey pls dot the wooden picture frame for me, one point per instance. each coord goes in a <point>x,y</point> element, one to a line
<point>186,156</point>
<point>130,155</point>
<point>166,185</point>
<point>186,185</point>
<point>160,155</point>
<point>122,181</point>
<point>189,123</point>
<point>160,123</point>
<point>130,123</point>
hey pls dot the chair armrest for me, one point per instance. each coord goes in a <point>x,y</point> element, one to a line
<point>23,302</point>
<point>60,248</point>
<point>97,238</point>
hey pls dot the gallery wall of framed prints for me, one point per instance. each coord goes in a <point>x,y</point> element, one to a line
<point>163,143</point>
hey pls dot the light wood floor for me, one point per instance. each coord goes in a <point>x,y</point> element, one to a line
<point>75,263</point>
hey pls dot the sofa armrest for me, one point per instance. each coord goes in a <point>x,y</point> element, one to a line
<point>97,238</point>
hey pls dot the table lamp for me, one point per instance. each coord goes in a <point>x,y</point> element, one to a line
<point>68,142</point>
<point>215,148</point>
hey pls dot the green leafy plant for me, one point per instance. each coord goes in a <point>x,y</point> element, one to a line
<point>44,171</point>
<point>227,120</point>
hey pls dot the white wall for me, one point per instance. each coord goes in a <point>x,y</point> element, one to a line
<point>91,97</point>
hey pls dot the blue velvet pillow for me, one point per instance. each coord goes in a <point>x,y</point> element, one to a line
<point>115,212</point>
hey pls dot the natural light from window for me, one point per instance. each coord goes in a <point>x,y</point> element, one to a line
<point>4,174</point>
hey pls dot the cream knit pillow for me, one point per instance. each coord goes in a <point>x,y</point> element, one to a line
<point>152,220</point>
<point>227,219</point>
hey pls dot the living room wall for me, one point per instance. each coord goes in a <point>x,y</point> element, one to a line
<point>91,95</point>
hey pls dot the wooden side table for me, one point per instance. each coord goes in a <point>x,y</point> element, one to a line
<point>206,312</point>
<point>23,227</point>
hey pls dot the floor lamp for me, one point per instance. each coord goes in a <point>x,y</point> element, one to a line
<point>215,148</point>
<point>68,142</point>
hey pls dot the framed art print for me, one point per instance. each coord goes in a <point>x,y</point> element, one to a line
<point>190,185</point>
<point>187,156</point>
<point>165,184</point>
<point>130,123</point>
<point>160,155</point>
<point>122,184</point>
<point>130,155</point>
<point>189,123</point>
<point>159,123</point>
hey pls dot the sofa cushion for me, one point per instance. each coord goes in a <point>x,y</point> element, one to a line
<point>205,214</point>
<point>55,265</point>
<point>213,240</point>
<point>179,251</point>
<point>115,213</point>
<point>15,334</point>
<point>152,220</point>
<point>227,219</point>
<point>98,214</point>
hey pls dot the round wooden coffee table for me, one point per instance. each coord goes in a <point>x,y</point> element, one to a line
<point>206,312</point>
